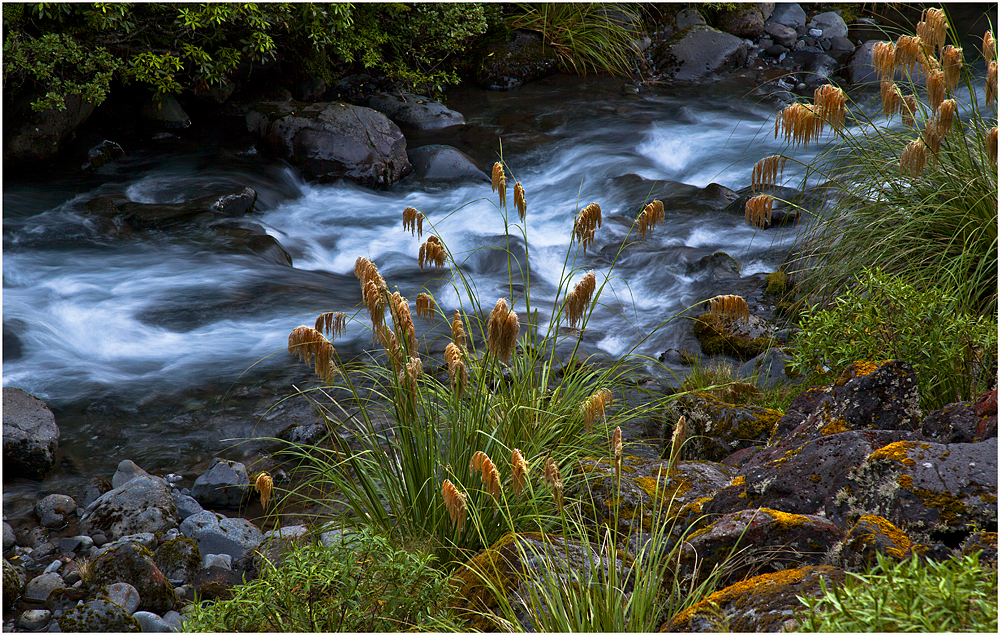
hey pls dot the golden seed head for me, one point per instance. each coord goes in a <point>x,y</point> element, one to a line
<point>476,464</point>
<point>519,201</point>
<point>399,308</point>
<point>651,216</point>
<point>554,479</point>
<point>991,144</point>
<point>457,372</point>
<point>951,62</point>
<point>454,501</point>
<point>935,89</point>
<point>457,330</point>
<point>932,135</point>
<point>799,123</point>
<point>908,108</point>
<point>594,406</point>
<point>502,330</point>
<point>913,158</point>
<point>519,472</point>
<point>945,114</point>
<point>264,485</point>
<point>500,183</point>
<point>757,211</point>
<point>413,220</point>
<point>578,301</point>
<point>676,443</point>
<point>991,84</point>
<point>766,172</point>
<point>432,252</point>
<point>884,60</point>
<point>313,348</point>
<point>830,103</point>
<point>586,224</point>
<point>891,98</point>
<point>391,345</point>
<point>906,51</point>
<point>425,306</point>
<point>732,306</point>
<point>491,478</point>
<point>932,29</point>
<point>989,46</point>
<point>332,323</point>
<point>616,443</point>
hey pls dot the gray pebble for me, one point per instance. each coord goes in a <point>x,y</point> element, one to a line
<point>223,560</point>
<point>124,595</point>
<point>34,619</point>
<point>54,566</point>
<point>41,587</point>
<point>151,622</point>
<point>815,32</point>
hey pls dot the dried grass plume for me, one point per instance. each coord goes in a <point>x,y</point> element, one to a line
<point>766,172</point>
<point>431,253</point>
<point>593,408</point>
<point>554,480</point>
<point>414,221</point>
<point>264,485</point>
<point>502,330</point>
<point>499,182</point>
<point>951,63</point>
<point>454,501</point>
<point>651,216</point>
<point>332,323</point>
<point>425,306</point>
<point>519,472</point>
<point>313,348</point>
<point>519,202</point>
<point>884,60</point>
<point>757,211</point>
<point>457,330</point>
<point>913,158</point>
<point>578,301</point>
<point>732,306</point>
<point>991,144</point>
<point>586,224</point>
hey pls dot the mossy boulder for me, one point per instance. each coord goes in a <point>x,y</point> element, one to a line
<point>742,339</point>
<point>98,616</point>
<point>647,494</point>
<point>508,62</point>
<point>765,539</point>
<point>141,504</point>
<point>178,558</point>
<point>762,604</point>
<point>870,535</point>
<point>778,283</point>
<point>716,429</point>
<point>937,493</point>
<point>13,584</point>
<point>134,564</point>
<point>518,561</point>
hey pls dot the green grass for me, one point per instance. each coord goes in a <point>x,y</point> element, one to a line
<point>912,596</point>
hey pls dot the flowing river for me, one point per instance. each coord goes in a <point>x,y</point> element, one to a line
<point>132,338</point>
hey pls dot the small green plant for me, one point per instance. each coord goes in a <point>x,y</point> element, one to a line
<point>361,583</point>
<point>585,35</point>
<point>953,352</point>
<point>915,595</point>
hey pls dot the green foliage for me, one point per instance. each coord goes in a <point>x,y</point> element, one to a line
<point>883,317</point>
<point>360,584</point>
<point>60,65</point>
<point>915,595</point>
<point>585,35</point>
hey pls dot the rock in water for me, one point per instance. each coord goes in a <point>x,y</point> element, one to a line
<point>30,436</point>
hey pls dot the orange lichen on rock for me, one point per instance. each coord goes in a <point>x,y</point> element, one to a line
<point>895,452</point>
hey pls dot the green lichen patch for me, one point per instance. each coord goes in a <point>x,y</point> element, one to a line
<point>778,283</point>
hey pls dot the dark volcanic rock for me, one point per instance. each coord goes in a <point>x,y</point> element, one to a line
<point>416,111</point>
<point>30,436</point>
<point>141,504</point>
<point>509,63</point>
<point>698,53</point>
<point>332,140</point>
<point>30,137</point>
<point>440,162</point>
<point>134,564</point>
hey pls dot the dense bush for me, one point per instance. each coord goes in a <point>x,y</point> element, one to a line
<point>359,584</point>
<point>883,317</point>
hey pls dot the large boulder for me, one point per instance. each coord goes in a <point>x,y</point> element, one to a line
<point>698,53</point>
<point>788,14</point>
<point>509,63</point>
<point>31,137</point>
<point>225,484</point>
<point>30,436</point>
<point>134,564</point>
<point>332,140</point>
<point>831,24</point>
<point>141,504</point>
<point>415,111</point>
<point>98,616</point>
<point>440,162</point>
<point>217,534</point>
<point>745,21</point>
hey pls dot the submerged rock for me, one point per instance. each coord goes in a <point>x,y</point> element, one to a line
<point>30,436</point>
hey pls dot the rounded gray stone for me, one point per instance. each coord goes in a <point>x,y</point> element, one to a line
<point>224,484</point>
<point>217,534</point>
<point>830,24</point>
<point>152,623</point>
<point>34,619</point>
<point>39,588</point>
<point>688,18</point>
<point>141,504</point>
<point>789,14</point>
<point>30,435</point>
<point>124,595</point>
<point>53,510</point>
<point>223,560</point>
<point>9,539</point>
<point>415,111</point>
<point>442,163</point>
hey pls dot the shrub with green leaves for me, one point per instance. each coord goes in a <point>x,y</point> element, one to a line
<point>361,583</point>
<point>883,317</point>
<point>915,595</point>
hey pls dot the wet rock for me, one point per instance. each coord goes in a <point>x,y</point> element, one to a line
<point>938,493</point>
<point>124,595</point>
<point>841,44</point>
<point>238,203</point>
<point>716,429</point>
<point>443,163</point>
<point>134,564</point>
<point>831,24</point>
<point>13,583</point>
<point>688,18</point>
<point>217,93</point>
<point>53,510</point>
<point>165,110</point>
<point>162,215</point>
<point>782,35</point>
<point>861,70</point>
<point>303,434</point>
<point>766,539</point>
<point>102,153</point>
<point>819,69</point>
<point>153,623</point>
<point>509,63</point>
<point>800,478</point>
<point>647,494</point>
<point>745,21</point>
<point>214,583</point>
<point>698,53</point>
<point>986,409</point>
<point>220,560</point>
<point>743,339</point>
<point>186,505</point>
<point>34,619</point>
<point>332,140</point>
<point>142,504</point>
<point>518,562</point>
<point>416,111</point>
<point>870,535</point>
<point>785,210</point>
<point>32,136</point>
<point>955,423</point>
<point>310,89</point>
<point>75,543</point>
<point>224,484</point>
<point>788,14</point>
<point>759,605</point>
<point>30,436</point>
<point>39,588</point>
<point>215,533</point>
<point>95,488</point>
<point>9,540</point>
<point>98,616</point>
<point>178,559</point>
